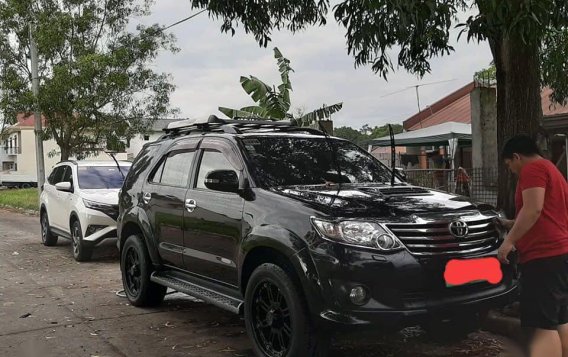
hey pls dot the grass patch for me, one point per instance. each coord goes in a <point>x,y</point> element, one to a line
<point>25,198</point>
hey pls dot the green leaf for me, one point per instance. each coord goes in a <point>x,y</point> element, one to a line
<point>319,114</point>
<point>235,113</point>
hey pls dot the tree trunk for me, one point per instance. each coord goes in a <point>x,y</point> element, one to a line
<point>65,151</point>
<point>519,108</point>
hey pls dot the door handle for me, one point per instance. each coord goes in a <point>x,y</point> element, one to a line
<point>190,205</point>
<point>147,197</point>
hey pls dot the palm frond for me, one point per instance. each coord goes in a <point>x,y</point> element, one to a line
<point>235,113</point>
<point>319,114</point>
<point>256,88</point>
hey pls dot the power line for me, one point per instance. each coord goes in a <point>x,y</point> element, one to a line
<point>184,20</point>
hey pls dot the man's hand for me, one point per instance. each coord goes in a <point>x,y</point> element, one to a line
<point>504,250</point>
<point>506,224</point>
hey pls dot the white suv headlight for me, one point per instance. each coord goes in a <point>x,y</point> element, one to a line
<point>360,233</point>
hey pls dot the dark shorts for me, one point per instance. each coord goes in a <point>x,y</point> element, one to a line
<point>544,293</point>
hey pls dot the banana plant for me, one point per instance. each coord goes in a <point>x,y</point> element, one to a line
<point>274,102</point>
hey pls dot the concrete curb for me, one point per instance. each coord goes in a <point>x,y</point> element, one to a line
<point>504,325</point>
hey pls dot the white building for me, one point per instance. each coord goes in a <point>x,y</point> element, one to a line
<point>136,143</point>
<point>18,152</point>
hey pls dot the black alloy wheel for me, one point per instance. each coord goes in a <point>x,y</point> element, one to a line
<point>271,320</point>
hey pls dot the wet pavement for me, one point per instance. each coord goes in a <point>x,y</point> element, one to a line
<point>51,305</point>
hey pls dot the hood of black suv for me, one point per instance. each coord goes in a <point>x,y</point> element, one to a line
<point>377,199</point>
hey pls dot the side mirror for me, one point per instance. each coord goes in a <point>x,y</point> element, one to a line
<point>222,180</point>
<point>64,186</point>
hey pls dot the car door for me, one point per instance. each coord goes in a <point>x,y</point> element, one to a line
<point>213,219</point>
<point>59,215</point>
<point>52,196</point>
<point>65,200</point>
<point>164,195</point>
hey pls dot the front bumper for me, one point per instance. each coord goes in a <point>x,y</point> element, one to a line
<point>403,289</point>
<point>97,226</point>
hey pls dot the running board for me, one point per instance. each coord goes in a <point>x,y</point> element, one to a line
<point>212,297</point>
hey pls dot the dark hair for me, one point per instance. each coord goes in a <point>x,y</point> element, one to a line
<point>521,145</point>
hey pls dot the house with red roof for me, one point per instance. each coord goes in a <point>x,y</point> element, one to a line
<point>18,151</point>
<point>473,105</point>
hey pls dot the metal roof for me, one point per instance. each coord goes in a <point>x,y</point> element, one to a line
<point>434,135</point>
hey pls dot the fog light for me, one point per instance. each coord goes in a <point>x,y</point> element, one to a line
<point>94,228</point>
<point>386,242</point>
<point>358,295</point>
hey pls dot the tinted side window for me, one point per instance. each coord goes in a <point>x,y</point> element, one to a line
<point>56,175</point>
<point>51,177</point>
<point>67,174</point>
<point>176,169</point>
<point>157,174</point>
<point>143,161</point>
<point>211,161</point>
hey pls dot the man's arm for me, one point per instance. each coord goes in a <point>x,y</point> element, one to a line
<point>533,201</point>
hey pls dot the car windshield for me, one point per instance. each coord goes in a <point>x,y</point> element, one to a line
<point>288,161</point>
<point>101,177</point>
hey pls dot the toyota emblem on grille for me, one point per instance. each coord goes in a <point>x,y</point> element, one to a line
<point>459,229</point>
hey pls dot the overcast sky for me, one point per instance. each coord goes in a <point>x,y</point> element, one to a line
<point>207,70</point>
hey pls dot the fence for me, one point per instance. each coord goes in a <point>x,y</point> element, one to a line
<point>413,160</point>
<point>480,183</point>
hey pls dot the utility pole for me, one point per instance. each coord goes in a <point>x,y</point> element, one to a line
<point>37,115</point>
<point>418,98</point>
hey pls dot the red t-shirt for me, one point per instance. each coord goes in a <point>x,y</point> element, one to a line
<point>549,236</point>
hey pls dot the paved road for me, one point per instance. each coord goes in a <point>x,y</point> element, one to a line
<point>51,305</point>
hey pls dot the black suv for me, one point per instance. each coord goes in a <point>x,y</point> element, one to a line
<point>301,232</point>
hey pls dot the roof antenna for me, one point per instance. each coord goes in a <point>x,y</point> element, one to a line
<point>111,154</point>
<point>333,157</point>
<point>393,154</point>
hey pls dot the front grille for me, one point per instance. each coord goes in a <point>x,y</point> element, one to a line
<point>112,212</point>
<point>435,238</point>
<point>109,210</point>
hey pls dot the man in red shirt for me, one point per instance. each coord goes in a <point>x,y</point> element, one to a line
<point>540,235</point>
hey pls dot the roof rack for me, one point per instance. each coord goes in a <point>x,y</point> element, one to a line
<point>234,126</point>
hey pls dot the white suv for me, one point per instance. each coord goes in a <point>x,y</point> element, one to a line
<point>79,201</point>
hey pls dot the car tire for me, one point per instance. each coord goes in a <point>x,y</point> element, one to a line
<point>136,269</point>
<point>81,251</point>
<point>47,237</point>
<point>277,317</point>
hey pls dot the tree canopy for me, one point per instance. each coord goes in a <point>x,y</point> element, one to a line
<point>274,102</point>
<point>528,41</point>
<point>418,30</point>
<point>362,136</point>
<point>96,83</point>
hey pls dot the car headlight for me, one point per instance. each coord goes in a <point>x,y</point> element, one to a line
<point>108,209</point>
<point>360,233</point>
<point>96,205</point>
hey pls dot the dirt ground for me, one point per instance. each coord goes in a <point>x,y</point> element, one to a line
<point>51,305</point>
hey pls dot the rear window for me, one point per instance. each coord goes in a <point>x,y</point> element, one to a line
<point>101,177</point>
